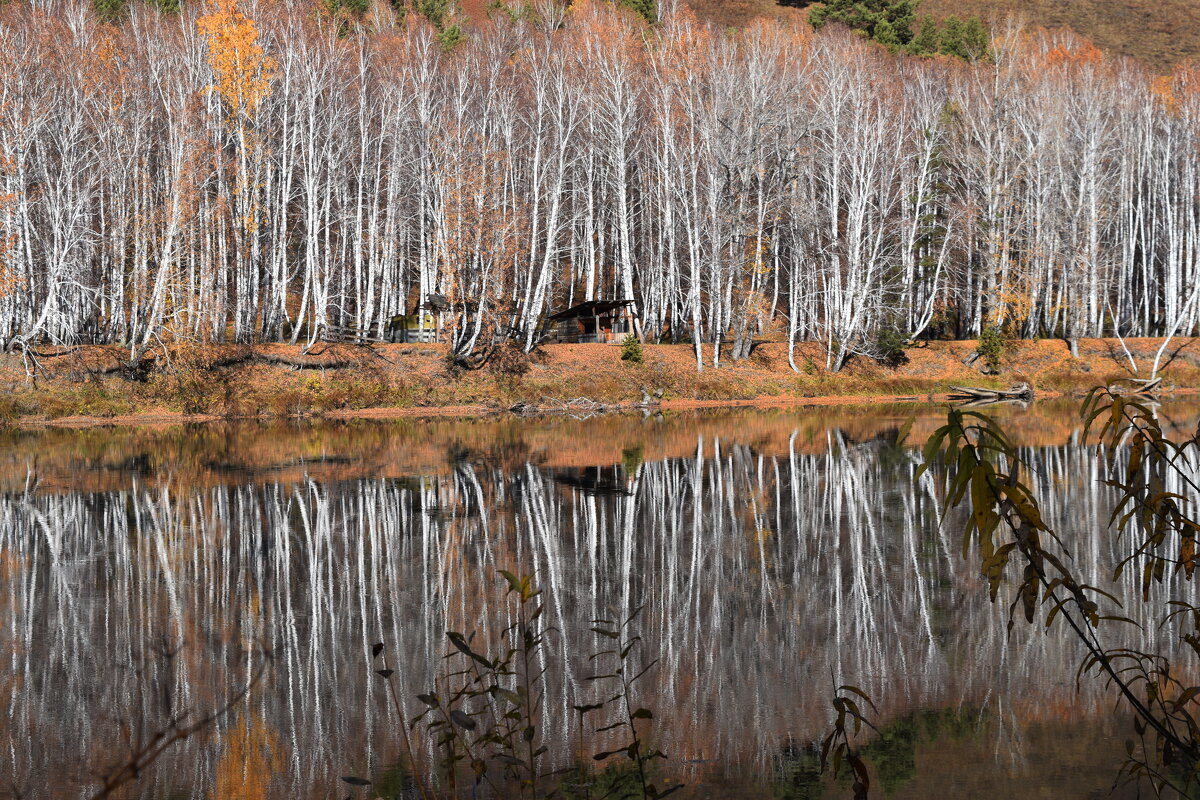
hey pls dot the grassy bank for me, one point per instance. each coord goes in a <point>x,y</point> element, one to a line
<point>282,381</point>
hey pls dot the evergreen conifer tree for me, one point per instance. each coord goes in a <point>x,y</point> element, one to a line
<point>976,39</point>
<point>885,34</point>
<point>954,38</point>
<point>644,7</point>
<point>928,40</point>
<point>890,19</point>
<point>109,10</point>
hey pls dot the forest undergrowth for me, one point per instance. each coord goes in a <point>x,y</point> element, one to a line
<point>274,381</point>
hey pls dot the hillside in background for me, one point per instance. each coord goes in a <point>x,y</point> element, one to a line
<point>1158,32</point>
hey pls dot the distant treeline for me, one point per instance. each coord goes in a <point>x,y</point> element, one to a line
<point>242,171</point>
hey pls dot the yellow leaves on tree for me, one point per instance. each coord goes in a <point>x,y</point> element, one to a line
<point>243,70</point>
<point>1163,89</point>
<point>243,80</point>
<point>1014,301</point>
<point>8,279</point>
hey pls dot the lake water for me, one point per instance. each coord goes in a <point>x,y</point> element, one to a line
<point>774,553</point>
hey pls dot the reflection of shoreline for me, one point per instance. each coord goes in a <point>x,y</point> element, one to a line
<point>161,419</point>
<point>235,453</point>
<point>762,573</point>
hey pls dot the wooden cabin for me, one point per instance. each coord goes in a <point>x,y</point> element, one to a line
<point>420,326</point>
<point>423,323</point>
<point>596,321</point>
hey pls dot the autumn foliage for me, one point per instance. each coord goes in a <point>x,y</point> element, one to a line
<point>243,71</point>
<point>8,278</point>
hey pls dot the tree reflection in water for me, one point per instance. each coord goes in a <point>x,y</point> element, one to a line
<point>774,553</point>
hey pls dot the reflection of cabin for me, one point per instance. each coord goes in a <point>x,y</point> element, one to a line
<point>611,480</point>
<point>604,321</point>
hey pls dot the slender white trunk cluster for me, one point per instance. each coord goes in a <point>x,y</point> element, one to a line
<point>735,185</point>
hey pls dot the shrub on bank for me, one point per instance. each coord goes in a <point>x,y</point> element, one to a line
<point>994,346</point>
<point>889,347</point>
<point>631,350</point>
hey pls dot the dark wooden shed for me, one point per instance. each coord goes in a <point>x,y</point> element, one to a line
<point>600,321</point>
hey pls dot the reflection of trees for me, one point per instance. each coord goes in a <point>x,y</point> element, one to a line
<point>761,576</point>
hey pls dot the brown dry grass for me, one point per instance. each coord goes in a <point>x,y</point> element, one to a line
<point>418,377</point>
<point>1159,33</point>
<point>738,13</point>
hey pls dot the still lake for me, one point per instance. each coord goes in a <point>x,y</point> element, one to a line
<point>774,553</point>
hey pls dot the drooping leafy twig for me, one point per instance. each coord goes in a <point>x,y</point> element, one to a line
<point>1005,521</point>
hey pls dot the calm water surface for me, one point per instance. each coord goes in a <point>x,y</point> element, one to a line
<point>774,552</point>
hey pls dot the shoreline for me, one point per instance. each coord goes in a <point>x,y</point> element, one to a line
<point>84,387</point>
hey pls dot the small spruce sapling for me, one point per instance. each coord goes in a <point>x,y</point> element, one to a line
<point>631,350</point>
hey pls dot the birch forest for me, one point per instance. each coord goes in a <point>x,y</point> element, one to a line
<point>254,171</point>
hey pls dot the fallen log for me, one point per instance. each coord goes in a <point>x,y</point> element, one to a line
<point>1021,391</point>
<point>56,353</point>
<point>285,361</point>
<point>139,369</point>
<point>1137,386</point>
<point>338,334</point>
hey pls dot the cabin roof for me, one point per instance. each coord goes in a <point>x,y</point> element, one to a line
<point>592,308</point>
<point>437,303</point>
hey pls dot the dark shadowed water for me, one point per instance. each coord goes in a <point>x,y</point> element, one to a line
<point>775,552</point>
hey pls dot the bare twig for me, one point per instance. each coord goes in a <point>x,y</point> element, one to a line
<point>144,753</point>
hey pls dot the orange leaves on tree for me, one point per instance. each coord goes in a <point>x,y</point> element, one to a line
<point>243,74</point>
<point>1014,297</point>
<point>605,29</point>
<point>9,281</point>
<point>1037,50</point>
<point>1074,52</point>
<point>1163,89</point>
<point>1179,91</point>
<point>243,70</point>
<point>682,48</point>
<point>478,231</point>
